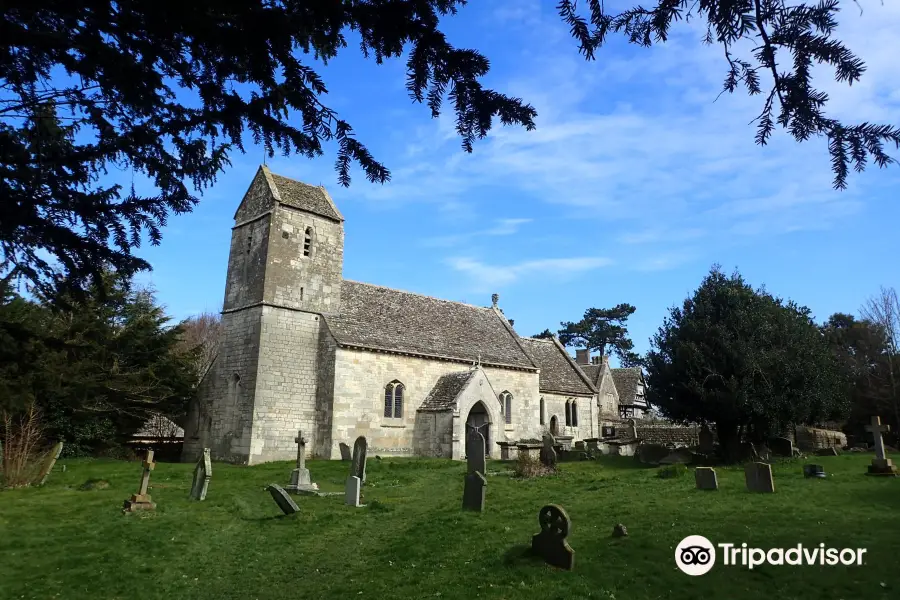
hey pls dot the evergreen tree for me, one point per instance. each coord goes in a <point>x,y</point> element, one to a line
<point>603,330</point>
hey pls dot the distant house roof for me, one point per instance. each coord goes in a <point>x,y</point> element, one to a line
<point>305,197</point>
<point>627,381</point>
<point>559,373</point>
<point>380,318</point>
<point>593,373</point>
<point>445,392</point>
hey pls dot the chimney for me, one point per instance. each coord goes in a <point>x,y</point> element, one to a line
<point>595,360</point>
<point>583,356</point>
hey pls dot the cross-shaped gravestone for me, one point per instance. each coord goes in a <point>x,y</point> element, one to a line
<point>550,544</point>
<point>881,464</point>
<point>141,500</point>
<point>300,475</point>
<point>202,475</point>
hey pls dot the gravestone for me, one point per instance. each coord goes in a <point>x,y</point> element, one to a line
<point>651,454</point>
<point>781,446</point>
<point>474,491</point>
<point>283,499</point>
<point>705,439</point>
<point>475,483</point>
<point>475,453</point>
<point>142,500</point>
<point>351,491</point>
<point>632,428</point>
<point>202,475</point>
<point>705,478</point>
<point>300,480</point>
<point>550,544</point>
<point>358,468</point>
<point>814,471</point>
<point>830,451</point>
<point>48,465</point>
<point>881,464</point>
<point>345,451</point>
<point>758,476</point>
<point>548,453</point>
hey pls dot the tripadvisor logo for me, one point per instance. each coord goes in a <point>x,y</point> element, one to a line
<point>696,555</point>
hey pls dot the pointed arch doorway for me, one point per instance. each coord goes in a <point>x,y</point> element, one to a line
<point>479,420</point>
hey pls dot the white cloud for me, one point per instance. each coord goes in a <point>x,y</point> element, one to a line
<point>501,227</point>
<point>484,276</point>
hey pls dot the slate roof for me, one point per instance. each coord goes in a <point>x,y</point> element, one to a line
<point>626,381</point>
<point>592,372</point>
<point>444,393</point>
<point>559,373</point>
<point>381,318</point>
<point>306,197</point>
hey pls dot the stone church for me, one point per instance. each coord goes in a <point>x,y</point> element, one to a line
<point>303,348</point>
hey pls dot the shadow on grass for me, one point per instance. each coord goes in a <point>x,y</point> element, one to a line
<point>887,495</point>
<point>520,553</point>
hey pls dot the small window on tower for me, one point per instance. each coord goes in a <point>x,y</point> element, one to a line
<point>286,235</point>
<point>307,242</point>
<point>249,242</point>
<point>301,294</point>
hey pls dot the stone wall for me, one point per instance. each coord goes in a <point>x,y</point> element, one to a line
<point>660,432</point>
<point>555,406</point>
<point>433,434</point>
<point>811,438</point>
<point>359,400</point>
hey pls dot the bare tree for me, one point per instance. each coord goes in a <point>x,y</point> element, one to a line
<point>201,333</point>
<point>884,309</point>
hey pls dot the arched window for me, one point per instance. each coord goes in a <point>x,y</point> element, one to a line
<point>574,413</point>
<point>393,400</point>
<point>542,412</point>
<point>568,414</point>
<point>506,406</point>
<point>307,241</point>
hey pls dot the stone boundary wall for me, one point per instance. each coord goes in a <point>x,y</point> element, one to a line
<point>813,438</point>
<point>662,432</point>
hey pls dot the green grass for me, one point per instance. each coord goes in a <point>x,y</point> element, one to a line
<point>414,541</point>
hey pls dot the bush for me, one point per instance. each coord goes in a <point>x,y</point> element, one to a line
<point>671,471</point>
<point>527,466</point>
<point>20,442</point>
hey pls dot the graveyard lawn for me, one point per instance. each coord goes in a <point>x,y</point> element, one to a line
<point>413,540</point>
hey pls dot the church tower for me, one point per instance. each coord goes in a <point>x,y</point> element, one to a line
<point>284,271</point>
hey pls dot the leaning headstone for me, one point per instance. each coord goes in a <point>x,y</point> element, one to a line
<point>758,476</point>
<point>781,446</point>
<point>474,491</point>
<point>202,475</point>
<point>475,453</point>
<point>48,465</point>
<point>548,453</point>
<point>351,491</point>
<point>142,500</point>
<point>550,544</point>
<point>358,468</point>
<point>345,451</point>
<point>705,478</point>
<point>881,464</point>
<point>814,471</point>
<point>705,439</point>
<point>283,499</point>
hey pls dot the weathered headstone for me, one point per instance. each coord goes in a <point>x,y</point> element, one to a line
<point>142,500</point>
<point>300,480</point>
<point>781,446</point>
<point>632,428</point>
<point>351,491</point>
<point>814,471</point>
<point>358,468</point>
<point>202,475</point>
<point>651,454</point>
<point>345,451</point>
<point>881,464</point>
<point>283,499</point>
<point>550,544</point>
<point>705,440</point>
<point>705,478</point>
<point>475,453</point>
<point>474,491</point>
<point>48,465</point>
<point>758,476</point>
<point>548,453</point>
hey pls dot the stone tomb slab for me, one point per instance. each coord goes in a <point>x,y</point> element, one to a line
<point>705,478</point>
<point>550,544</point>
<point>758,476</point>
<point>283,499</point>
<point>474,492</point>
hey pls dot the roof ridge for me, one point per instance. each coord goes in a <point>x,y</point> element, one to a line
<point>515,336</point>
<point>384,287</point>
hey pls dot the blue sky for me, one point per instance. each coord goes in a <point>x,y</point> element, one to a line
<point>635,182</point>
